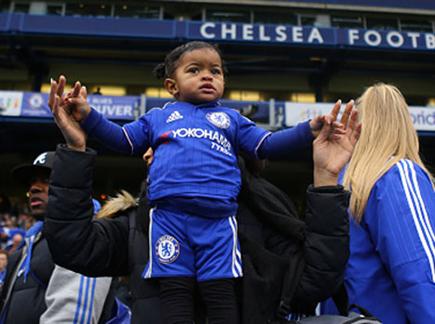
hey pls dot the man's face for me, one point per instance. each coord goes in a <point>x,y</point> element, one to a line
<point>38,195</point>
<point>3,261</point>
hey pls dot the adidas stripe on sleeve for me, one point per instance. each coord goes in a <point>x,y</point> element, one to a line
<point>74,298</point>
<point>400,216</point>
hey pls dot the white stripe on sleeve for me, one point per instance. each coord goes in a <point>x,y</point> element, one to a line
<point>261,142</point>
<point>128,140</point>
<point>403,170</point>
<point>420,200</point>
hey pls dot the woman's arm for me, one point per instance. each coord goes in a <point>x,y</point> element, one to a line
<point>400,217</point>
<point>93,248</point>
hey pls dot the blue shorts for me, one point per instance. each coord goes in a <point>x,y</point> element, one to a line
<point>184,245</point>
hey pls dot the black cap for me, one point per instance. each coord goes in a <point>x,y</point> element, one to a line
<point>42,164</point>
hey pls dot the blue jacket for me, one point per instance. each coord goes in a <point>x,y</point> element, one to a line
<point>391,269</point>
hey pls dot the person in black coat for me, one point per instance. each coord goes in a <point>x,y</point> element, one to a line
<point>289,265</point>
<point>36,290</point>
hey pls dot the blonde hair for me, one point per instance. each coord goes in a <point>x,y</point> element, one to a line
<point>121,202</point>
<point>387,136</point>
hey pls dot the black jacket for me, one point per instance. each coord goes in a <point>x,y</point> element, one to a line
<point>33,289</point>
<point>286,261</point>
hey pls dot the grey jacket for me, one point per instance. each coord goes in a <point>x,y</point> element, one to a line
<point>50,294</point>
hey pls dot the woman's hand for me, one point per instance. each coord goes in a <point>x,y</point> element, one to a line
<point>66,113</point>
<point>333,148</point>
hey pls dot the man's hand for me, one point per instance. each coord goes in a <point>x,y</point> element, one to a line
<point>333,148</point>
<point>148,157</point>
<point>65,113</point>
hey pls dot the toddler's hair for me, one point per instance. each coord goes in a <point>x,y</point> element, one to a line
<point>168,67</point>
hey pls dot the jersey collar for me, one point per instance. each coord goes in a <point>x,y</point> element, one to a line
<point>211,104</point>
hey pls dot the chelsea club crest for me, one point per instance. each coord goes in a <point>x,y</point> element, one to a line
<point>167,249</point>
<point>219,119</point>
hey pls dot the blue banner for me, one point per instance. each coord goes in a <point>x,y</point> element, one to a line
<point>106,26</point>
<point>120,108</point>
<point>35,104</point>
<point>215,31</point>
<point>273,114</point>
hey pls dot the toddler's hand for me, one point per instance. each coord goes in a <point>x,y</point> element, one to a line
<point>76,102</point>
<point>316,125</point>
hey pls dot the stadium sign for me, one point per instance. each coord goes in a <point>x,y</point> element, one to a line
<point>35,104</point>
<point>423,118</point>
<point>261,33</point>
<point>265,33</point>
<point>10,103</point>
<point>392,39</point>
<point>276,114</point>
<point>115,107</point>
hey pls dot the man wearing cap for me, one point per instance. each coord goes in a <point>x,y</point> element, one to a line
<point>35,289</point>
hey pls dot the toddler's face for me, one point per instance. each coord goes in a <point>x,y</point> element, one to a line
<point>198,77</point>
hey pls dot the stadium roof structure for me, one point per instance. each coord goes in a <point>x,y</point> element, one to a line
<point>422,7</point>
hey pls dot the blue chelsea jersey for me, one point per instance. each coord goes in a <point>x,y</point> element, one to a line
<point>195,151</point>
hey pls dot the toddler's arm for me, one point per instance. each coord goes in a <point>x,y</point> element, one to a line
<point>281,143</point>
<point>262,144</point>
<point>72,108</point>
<point>132,138</point>
<point>109,133</point>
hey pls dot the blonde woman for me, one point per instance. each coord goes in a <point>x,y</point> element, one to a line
<point>391,270</point>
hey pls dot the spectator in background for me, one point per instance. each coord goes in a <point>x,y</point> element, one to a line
<point>11,234</point>
<point>97,92</point>
<point>5,204</point>
<point>3,264</point>
<point>50,293</point>
<point>17,241</point>
<point>25,221</point>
